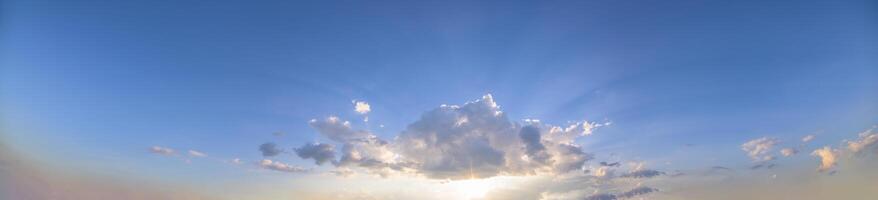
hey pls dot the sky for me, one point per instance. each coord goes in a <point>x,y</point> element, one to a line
<point>438,100</point>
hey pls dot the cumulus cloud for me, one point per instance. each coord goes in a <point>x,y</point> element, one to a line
<point>868,140</point>
<point>269,149</point>
<point>194,153</point>
<point>321,153</point>
<point>362,107</point>
<point>478,140</point>
<point>808,138</point>
<point>827,158</point>
<point>760,149</point>
<point>474,140</point>
<point>786,152</point>
<point>161,150</point>
<point>279,166</point>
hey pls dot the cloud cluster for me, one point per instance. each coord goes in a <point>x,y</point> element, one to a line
<point>359,148</point>
<point>475,140</point>
<point>760,149</point>
<point>868,140</point>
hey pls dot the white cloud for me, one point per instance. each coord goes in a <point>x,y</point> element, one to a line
<point>337,130</point>
<point>868,140</point>
<point>827,157</point>
<point>194,153</point>
<point>603,172</point>
<point>362,107</point>
<point>760,149</point>
<point>808,138</point>
<point>162,150</point>
<point>279,166</point>
<point>478,140</point>
<point>786,152</point>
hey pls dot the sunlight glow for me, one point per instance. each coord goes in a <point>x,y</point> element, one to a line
<point>472,188</point>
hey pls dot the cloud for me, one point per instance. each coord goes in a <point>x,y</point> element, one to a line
<point>362,107</point>
<point>162,150</point>
<point>642,173</point>
<point>603,172</point>
<point>475,140</point>
<point>269,149</point>
<point>615,164</point>
<point>808,138</point>
<point>637,192</point>
<point>236,161</point>
<point>337,130</point>
<point>827,157</point>
<point>642,190</point>
<point>478,140</point>
<point>533,145</point>
<point>867,140</point>
<point>321,153</point>
<point>360,148</point>
<point>194,153</point>
<point>787,152</point>
<point>759,149</point>
<point>763,165</point>
<point>279,166</point>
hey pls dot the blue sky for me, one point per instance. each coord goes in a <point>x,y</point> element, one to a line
<point>92,85</point>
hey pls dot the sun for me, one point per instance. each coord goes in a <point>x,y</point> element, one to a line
<point>472,188</point>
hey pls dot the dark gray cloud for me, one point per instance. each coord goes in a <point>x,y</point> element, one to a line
<point>763,165</point>
<point>269,149</point>
<point>533,146</point>
<point>321,153</point>
<point>615,164</point>
<point>637,192</point>
<point>624,195</point>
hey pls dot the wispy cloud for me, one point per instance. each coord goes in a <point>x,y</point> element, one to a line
<point>279,166</point>
<point>162,150</point>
